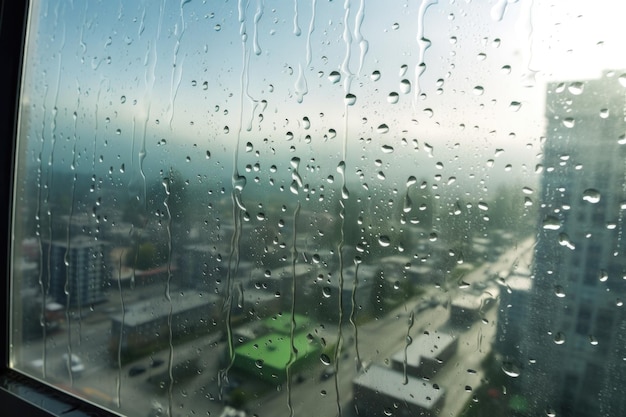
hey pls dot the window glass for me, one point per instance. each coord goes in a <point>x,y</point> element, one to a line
<point>319,208</point>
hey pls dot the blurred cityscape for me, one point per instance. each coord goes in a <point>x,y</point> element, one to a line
<point>260,301</point>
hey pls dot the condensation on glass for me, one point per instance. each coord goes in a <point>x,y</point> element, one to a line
<point>321,208</point>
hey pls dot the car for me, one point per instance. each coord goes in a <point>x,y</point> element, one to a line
<point>426,305</point>
<point>73,363</point>
<point>232,412</point>
<point>157,409</point>
<point>327,374</point>
<point>156,362</point>
<point>136,370</point>
<point>37,364</point>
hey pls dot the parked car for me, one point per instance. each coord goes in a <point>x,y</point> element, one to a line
<point>156,362</point>
<point>73,363</point>
<point>327,374</point>
<point>232,412</point>
<point>136,370</point>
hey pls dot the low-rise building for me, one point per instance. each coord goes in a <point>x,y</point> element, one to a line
<point>426,355</point>
<point>147,325</point>
<point>384,391</point>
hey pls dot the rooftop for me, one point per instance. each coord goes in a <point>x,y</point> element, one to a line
<point>391,383</point>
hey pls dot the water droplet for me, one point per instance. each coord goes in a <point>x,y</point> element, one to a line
<point>576,88</point>
<point>249,147</point>
<point>411,180</point>
<point>259,363</point>
<point>559,338</point>
<point>603,276</point>
<point>326,292</point>
<point>551,223</point>
<point>483,206</point>
<point>432,237</point>
<point>408,204</point>
<point>593,341</point>
<point>384,241</point>
<point>604,113</point>
<point>293,187</point>
<point>515,106</point>
<point>341,168</point>
<point>383,128</point>
<point>375,76</point>
<point>510,369</point>
<point>393,98</point>
<point>325,359</point>
<point>591,195</point>
<point>350,99</point>
<point>239,182</point>
<point>622,80</point>
<point>123,99</point>
<point>478,90</point>
<point>386,149</point>
<point>217,27</point>
<point>565,241</point>
<point>405,86</point>
<point>569,122</point>
<point>558,291</point>
<point>334,77</point>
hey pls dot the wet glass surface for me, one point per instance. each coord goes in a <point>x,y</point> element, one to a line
<point>323,208</point>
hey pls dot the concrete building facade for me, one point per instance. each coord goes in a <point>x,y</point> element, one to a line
<point>75,271</point>
<point>575,339</point>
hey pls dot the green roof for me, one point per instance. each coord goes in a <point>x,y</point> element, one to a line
<point>281,323</point>
<point>267,357</point>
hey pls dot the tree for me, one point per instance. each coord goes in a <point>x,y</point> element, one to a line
<point>145,256</point>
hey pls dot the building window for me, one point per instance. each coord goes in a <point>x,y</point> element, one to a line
<point>321,208</point>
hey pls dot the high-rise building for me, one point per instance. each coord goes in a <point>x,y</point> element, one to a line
<point>74,270</point>
<point>575,341</point>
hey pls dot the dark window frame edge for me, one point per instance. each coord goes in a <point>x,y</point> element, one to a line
<point>20,394</point>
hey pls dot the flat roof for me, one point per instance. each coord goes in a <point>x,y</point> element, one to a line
<point>159,308</point>
<point>429,346</point>
<point>391,384</point>
<point>281,323</point>
<point>274,349</point>
<point>519,282</point>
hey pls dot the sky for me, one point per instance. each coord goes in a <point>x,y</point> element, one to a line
<point>423,88</point>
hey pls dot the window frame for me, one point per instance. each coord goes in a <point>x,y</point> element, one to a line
<point>20,395</point>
